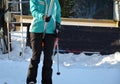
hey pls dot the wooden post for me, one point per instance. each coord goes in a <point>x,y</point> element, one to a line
<point>116,16</point>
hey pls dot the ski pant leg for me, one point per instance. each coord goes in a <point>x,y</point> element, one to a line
<point>47,63</point>
<point>36,42</point>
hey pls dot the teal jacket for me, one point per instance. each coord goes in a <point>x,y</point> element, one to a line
<point>38,9</point>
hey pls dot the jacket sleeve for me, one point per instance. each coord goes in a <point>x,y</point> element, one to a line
<point>34,10</point>
<point>58,13</point>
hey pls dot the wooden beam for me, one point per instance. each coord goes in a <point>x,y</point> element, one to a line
<point>75,21</point>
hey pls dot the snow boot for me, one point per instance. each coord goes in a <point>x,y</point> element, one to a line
<point>31,82</point>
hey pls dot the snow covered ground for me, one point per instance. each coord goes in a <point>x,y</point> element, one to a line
<point>74,69</point>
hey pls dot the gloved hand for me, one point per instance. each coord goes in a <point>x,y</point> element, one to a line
<point>46,18</point>
<point>58,27</point>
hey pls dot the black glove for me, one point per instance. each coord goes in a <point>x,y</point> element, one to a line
<point>58,27</point>
<point>46,18</point>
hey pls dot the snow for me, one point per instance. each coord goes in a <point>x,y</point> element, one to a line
<point>74,69</point>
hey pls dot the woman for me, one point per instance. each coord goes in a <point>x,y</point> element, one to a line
<point>39,9</point>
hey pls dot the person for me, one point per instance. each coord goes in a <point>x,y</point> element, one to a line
<point>38,10</point>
